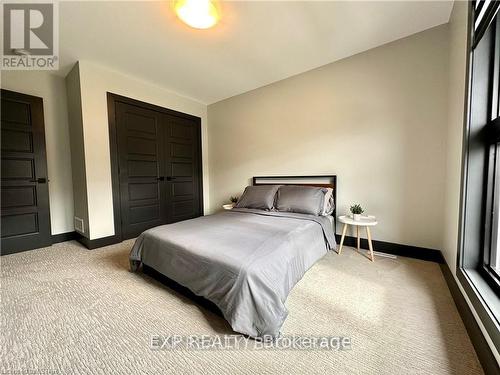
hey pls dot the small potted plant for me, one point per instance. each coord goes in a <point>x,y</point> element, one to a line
<point>356,211</point>
<point>232,204</point>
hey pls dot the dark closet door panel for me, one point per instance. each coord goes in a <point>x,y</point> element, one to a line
<point>25,216</point>
<point>183,169</point>
<point>18,196</point>
<point>23,224</point>
<point>182,189</point>
<point>140,156</point>
<point>17,140</point>
<point>15,111</point>
<point>143,190</point>
<point>140,145</point>
<point>185,209</point>
<point>144,214</point>
<point>180,150</point>
<point>18,168</point>
<point>143,168</point>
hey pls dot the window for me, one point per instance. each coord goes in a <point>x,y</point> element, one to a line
<point>491,259</point>
<point>478,266</point>
<point>488,71</point>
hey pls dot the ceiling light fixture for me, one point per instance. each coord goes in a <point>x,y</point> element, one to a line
<point>200,14</point>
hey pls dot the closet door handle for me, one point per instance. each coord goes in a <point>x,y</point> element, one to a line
<point>40,180</point>
<point>170,178</point>
<point>161,178</point>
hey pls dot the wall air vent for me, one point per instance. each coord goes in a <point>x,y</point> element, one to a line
<point>79,225</point>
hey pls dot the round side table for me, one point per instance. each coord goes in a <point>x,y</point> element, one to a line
<point>367,222</point>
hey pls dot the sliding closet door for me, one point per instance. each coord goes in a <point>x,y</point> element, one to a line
<point>183,169</point>
<point>140,161</point>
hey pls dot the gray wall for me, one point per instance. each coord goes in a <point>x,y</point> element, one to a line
<point>376,119</point>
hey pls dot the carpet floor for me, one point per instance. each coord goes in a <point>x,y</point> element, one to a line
<point>69,310</point>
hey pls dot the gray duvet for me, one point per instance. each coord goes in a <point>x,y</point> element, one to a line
<point>245,261</point>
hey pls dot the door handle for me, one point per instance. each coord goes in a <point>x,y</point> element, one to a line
<point>170,178</point>
<point>40,180</point>
<point>161,178</point>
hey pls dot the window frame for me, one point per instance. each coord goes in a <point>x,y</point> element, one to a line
<point>492,221</point>
<point>480,283</point>
<point>492,169</point>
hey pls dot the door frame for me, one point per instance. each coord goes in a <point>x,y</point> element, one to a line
<point>40,160</point>
<point>112,99</point>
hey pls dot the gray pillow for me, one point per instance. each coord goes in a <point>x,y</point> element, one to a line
<point>301,199</point>
<point>260,197</point>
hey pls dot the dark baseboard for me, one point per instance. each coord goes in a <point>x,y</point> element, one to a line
<point>63,237</point>
<point>89,244</point>
<point>99,242</point>
<point>381,246</point>
<point>396,249</point>
<point>483,350</point>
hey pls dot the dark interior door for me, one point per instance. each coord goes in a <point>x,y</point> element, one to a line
<point>158,165</point>
<point>25,216</point>
<point>140,149</point>
<point>182,168</point>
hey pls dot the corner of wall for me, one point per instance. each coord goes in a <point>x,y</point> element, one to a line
<point>457,38</point>
<point>75,120</point>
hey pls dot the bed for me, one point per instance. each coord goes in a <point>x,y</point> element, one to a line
<point>245,260</point>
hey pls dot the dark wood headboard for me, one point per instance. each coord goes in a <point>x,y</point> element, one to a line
<point>326,181</point>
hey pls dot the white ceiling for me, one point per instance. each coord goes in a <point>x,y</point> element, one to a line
<point>256,42</point>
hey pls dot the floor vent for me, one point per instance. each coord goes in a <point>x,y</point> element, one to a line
<point>385,255</point>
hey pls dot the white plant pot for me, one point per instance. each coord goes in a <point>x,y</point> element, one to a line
<point>356,217</point>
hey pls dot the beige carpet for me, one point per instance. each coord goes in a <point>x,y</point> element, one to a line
<point>69,310</point>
